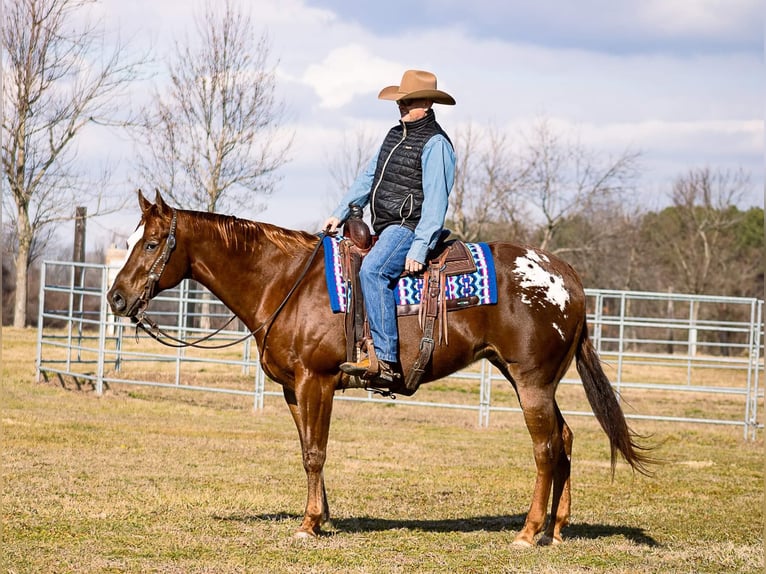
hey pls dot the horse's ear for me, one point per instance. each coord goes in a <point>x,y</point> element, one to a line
<point>162,207</point>
<point>144,203</point>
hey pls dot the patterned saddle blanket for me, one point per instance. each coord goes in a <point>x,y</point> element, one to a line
<point>461,290</point>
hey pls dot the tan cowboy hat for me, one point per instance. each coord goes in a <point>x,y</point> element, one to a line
<point>417,84</point>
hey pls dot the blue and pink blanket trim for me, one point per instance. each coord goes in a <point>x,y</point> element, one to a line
<point>480,284</point>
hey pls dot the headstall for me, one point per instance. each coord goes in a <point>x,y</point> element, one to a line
<point>156,332</point>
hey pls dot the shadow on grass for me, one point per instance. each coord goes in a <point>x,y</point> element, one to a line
<point>581,530</point>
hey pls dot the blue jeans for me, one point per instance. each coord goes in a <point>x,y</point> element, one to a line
<point>379,274</point>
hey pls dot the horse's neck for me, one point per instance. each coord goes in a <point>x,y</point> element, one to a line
<point>243,262</point>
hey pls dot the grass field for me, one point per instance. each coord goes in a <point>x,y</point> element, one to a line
<point>150,480</point>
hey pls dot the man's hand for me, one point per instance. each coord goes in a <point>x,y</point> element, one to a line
<point>331,225</point>
<point>411,266</point>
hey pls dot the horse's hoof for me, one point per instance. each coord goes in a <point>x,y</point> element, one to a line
<point>304,535</point>
<point>546,540</point>
<point>522,542</point>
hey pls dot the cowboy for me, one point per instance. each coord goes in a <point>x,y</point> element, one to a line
<point>407,185</point>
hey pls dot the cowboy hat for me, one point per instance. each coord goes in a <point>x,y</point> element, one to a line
<point>417,84</point>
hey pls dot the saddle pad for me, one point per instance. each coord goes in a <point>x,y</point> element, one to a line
<point>481,284</point>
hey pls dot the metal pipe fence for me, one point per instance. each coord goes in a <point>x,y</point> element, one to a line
<point>657,344</point>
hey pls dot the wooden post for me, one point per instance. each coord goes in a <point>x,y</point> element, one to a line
<point>78,256</point>
<point>78,253</point>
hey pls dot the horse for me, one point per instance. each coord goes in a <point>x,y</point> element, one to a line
<point>267,277</point>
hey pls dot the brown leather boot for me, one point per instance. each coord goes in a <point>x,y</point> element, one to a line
<point>386,375</point>
<point>361,367</point>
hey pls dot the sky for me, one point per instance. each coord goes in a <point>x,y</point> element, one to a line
<point>680,81</point>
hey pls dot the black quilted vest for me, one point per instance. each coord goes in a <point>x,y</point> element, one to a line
<point>397,189</point>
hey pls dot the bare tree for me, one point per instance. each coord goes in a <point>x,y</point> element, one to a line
<point>485,198</point>
<point>693,237</point>
<point>211,139</point>
<point>562,178</point>
<point>603,245</point>
<point>59,76</point>
<point>356,151</point>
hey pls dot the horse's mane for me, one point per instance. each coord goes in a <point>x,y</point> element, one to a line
<point>240,233</point>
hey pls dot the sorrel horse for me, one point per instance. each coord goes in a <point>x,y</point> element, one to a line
<point>531,335</point>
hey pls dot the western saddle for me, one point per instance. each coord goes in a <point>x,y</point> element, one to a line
<point>447,258</point>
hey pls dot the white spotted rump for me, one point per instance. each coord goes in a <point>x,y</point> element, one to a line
<point>539,283</point>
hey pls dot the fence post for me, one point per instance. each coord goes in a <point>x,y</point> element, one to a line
<point>598,318</point>
<point>116,329</point>
<point>245,354</point>
<point>693,311</point>
<point>70,318</point>
<point>485,390</point>
<point>620,347</point>
<point>78,272</point>
<point>40,320</point>
<point>260,386</point>
<point>103,311</point>
<point>753,369</point>
<point>183,315</point>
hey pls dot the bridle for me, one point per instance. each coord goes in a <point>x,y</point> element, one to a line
<point>152,329</point>
<point>162,260</point>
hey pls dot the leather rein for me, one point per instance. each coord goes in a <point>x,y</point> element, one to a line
<point>152,329</point>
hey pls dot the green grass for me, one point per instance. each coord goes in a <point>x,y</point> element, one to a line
<point>150,480</point>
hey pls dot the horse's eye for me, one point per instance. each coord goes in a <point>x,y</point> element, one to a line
<point>151,245</point>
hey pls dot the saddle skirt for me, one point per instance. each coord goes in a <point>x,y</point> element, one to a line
<point>462,289</point>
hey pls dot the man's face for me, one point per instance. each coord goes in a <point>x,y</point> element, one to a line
<point>411,110</point>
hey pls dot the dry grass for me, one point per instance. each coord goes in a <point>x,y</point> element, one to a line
<point>150,480</point>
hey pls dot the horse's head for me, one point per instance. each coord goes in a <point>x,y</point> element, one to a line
<point>155,262</point>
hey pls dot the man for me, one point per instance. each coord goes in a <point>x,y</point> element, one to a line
<point>407,185</point>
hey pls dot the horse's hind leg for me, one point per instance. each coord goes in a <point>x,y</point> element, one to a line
<point>561,499</point>
<point>540,415</point>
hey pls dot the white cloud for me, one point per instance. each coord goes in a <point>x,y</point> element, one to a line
<point>348,71</point>
<point>705,18</point>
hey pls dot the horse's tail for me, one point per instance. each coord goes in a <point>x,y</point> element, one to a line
<point>604,403</point>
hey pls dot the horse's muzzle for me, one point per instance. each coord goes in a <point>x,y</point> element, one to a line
<point>119,303</point>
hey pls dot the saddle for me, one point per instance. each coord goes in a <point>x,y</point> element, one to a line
<point>447,258</point>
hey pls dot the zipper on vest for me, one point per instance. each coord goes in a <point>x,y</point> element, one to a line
<point>409,200</point>
<point>383,170</point>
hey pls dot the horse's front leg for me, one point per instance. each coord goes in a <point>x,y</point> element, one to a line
<point>310,404</point>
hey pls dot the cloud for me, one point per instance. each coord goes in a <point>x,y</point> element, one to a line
<point>701,19</point>
<point>627,26</point>
<point>348,71</point>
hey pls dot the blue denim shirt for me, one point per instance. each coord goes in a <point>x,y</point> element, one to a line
<point>438,161</point>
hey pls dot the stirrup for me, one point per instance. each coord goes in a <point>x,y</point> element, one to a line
<point>358,368</point>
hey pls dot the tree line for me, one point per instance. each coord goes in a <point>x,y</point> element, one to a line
<point>554,193</point>
<point>211,137</point>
